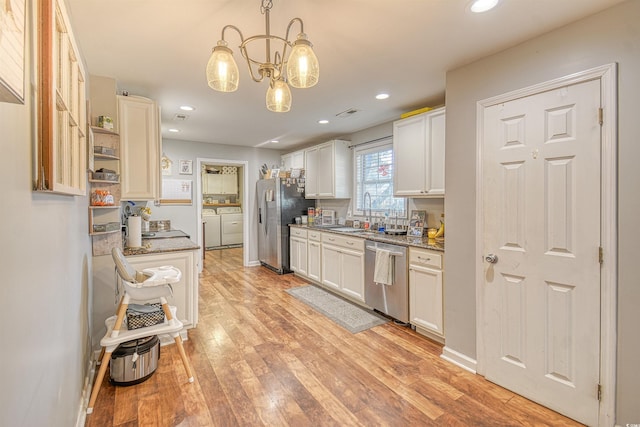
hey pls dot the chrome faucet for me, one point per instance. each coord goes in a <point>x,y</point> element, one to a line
<point>364,206</point>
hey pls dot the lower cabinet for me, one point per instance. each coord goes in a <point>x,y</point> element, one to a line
<point>185,292</point>
<point>314,256</point>
<point>343,265</point>
<point>425,292</point>
<point>298,251</point>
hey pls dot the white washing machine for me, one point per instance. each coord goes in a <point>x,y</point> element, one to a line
<point>211,221</point>
<point>230,225</point>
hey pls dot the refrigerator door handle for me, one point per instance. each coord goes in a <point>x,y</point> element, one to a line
<point>259,215</point>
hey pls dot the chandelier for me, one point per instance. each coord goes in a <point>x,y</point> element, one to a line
<point>300,69</point>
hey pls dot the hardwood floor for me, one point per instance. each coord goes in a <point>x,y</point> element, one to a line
<point>262,358</point>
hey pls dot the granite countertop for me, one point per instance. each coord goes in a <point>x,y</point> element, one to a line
<point>418,242</point>
<point>158,246</point>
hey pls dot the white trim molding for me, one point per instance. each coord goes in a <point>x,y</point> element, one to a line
<point>607,74</point>
<point>461,360</point>
<point>245,204</point>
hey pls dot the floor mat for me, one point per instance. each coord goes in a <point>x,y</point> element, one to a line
<point>346,314</point>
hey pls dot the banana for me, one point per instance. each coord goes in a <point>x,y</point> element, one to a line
<point>440,232</point>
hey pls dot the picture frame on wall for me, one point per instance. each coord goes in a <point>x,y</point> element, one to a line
<point>12,40</point>
<point>417,222</point>
<point>186,167</point>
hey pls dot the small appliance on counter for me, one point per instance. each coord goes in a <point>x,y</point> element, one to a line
<point>328,217</point>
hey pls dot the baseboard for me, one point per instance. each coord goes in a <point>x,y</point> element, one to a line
<point>459,359</point>
<point>429,334</point>
<point>86,391</point>
<point>254,264</point>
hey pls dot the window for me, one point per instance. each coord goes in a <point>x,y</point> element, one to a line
<point>374,174</point>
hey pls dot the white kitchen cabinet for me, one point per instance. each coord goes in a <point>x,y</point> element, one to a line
<point>328,170</point>
<point>343,265</point>
<point>425,292</point>
<point>185,292</point>
<point>220,184</point>
<point>140,148</point>
<point>298,250</point>
<point>418,155</point>
<point>314,255</point>
<point>293,160</point>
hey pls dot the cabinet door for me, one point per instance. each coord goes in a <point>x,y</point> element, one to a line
<point>425,298</point>
<point>297,160</point>
<point>311,173</point>
<point>409,147</point>
<point>435,153</point>
<point>352,267</point>
<point>331,266</point>
<point>326,170</point>
<point>301,256</point>
<point>286,161</point>
<point>214,183</point>
<point>185,292</point>
<point>139,148</point>
<point>314,260</point>
<point>229,184</point>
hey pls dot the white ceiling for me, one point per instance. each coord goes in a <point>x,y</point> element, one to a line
<point>159,49</point>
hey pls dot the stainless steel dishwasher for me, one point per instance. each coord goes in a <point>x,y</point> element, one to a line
<point>392,300</point>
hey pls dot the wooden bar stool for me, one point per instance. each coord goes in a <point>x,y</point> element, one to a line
<point>145,285</point>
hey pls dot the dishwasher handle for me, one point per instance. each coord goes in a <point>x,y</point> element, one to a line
<point>392,253</point>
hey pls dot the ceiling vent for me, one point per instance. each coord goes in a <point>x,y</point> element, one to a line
<point>347,113</point>
<point>180,117</point>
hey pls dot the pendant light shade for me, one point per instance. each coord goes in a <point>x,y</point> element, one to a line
<point>279,97</point>
<point>298,69</point>
<point>222,70</point>
<point>303,69</point>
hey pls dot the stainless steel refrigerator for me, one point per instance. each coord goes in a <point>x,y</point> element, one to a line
<point>280,201</point>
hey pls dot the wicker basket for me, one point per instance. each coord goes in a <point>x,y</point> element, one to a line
<point>141,316</point>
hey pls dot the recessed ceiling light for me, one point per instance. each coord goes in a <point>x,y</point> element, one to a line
<point>382,96</point>
<point>323,121</point>
<point>174,130</point>
<point>479,6</point>
<point>274,141</point>
<point>187,108</point>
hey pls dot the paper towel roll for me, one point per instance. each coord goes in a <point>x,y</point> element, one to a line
<point>134,236</point>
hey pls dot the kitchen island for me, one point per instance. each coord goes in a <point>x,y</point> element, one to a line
<point>180,252</point>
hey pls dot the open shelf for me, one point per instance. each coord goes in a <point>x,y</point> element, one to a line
<point>97,129</point>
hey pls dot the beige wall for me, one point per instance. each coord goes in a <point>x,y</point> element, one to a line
<point>608,37</point>
<point>45,285</point>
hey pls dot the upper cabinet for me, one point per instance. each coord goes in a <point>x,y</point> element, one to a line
<point>328,170</point>
<point>139,148</point>
<point>293,160</point>
<point>220,183</point>
<point>62,122</point>
<point>418,155</point>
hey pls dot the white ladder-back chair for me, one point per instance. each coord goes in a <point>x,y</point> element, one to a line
<point>145,285</point>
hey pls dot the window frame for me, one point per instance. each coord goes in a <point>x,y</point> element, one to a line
<point>382,144</point>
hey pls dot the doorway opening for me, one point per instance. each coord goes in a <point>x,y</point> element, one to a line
<point>222,205</point>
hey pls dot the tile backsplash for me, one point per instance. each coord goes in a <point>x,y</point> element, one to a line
<point>434,208</point>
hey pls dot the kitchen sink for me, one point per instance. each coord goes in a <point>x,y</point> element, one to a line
<point>349,230</point>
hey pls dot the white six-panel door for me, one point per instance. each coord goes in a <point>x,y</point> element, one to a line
<point>541,188</point>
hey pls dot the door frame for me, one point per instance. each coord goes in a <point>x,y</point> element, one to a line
<point>607,74</point>
<point>245,202</point>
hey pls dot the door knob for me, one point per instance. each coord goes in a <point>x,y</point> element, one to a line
<point>491,258</point>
